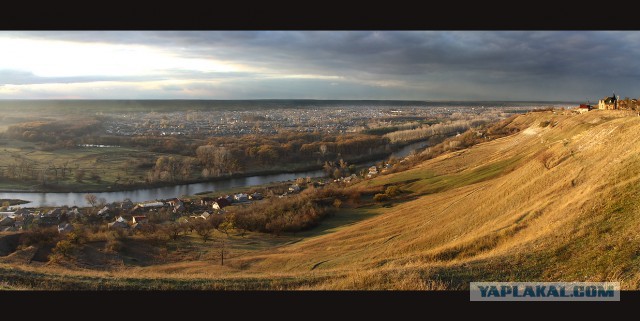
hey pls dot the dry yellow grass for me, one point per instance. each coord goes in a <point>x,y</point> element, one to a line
<point>557,201</point>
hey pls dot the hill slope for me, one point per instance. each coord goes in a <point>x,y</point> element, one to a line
<point>557,201</point>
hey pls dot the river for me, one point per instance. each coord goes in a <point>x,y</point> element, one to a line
<point>146,194</point>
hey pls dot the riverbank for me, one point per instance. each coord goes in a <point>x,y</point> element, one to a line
<point>133,187</point>
<point>84,188</point>
<point>165,190</point>
<point>13,202</point>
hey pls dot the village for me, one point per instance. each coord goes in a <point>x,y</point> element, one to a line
<point>342,119</point>
<point>125,214</point>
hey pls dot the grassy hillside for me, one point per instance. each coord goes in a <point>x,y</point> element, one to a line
<point>559,201</point>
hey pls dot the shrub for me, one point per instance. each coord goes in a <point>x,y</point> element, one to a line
<point>113,245</point>
<point>77,237</point>
<point>40,236</point>
<point>289,214</point>
<point>380,197</point>
<point>63,248</point>
<point>173,230</point>
<point>392,191</point>
<point>204,229</point>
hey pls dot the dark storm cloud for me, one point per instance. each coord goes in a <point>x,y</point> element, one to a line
<point>515,64</point>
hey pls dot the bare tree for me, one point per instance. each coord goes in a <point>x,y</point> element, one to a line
<point>173,230</point>
<point>186,167</point>
<point>222,249</point>
<point>203,228</point>
<point>80,173</point>
<point>228,224</point>
<point>216,160</point>
<point>101,202</point>
<point>91,199</point>
<point>64,168</point>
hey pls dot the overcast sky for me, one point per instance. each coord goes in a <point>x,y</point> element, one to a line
<point>411,65</point>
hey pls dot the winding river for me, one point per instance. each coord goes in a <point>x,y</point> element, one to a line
<point>145,194</point>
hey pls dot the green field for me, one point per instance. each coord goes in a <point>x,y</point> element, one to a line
<point>104,168</point>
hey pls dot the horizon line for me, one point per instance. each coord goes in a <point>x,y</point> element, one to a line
<point>275,99</point>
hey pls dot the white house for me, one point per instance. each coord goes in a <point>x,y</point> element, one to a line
<point>119,223</point>
<point>7,221</point>
<point>242,197</point>
<point>65,228</point>
<point>372,171</point>
<point>294,188</point>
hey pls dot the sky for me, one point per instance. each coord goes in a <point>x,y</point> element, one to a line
<point>397,65</point>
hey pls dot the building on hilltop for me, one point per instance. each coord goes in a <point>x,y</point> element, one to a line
<point>608,102</point>
<point>614,102</point>
<point>583,108</point>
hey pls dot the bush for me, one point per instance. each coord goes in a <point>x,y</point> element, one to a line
<point>63,248</point>
<point>380,197</point>
<point>289,214</point>
<point>74,238</point>
<point>204,229</point>
<point>114,245</point>
<point>392,191</point>
<point>40,236</point>
<point>173,230</point>
<point>119,234</point>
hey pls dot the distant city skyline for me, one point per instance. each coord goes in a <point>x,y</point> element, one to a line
<point>334,65</point>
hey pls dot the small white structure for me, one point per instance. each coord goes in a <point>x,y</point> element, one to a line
<point>139,219</point>
<point>119,223</point>
<point>104,211</point>
<point>65,228</point>
<point>203,216</point>
<point>7,221</point>
<point>151,204</point>
<point>242,197</point>
<point>256,196</point>
<point>179,208</point>
<point>56,212</point>
<point>7,214</point>
<point>294,188</point>
<point>73,213</point>
<point>373,171</point>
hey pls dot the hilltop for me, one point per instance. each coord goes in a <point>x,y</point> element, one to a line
<point>557,201</point>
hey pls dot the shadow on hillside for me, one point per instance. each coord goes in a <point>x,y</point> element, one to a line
<point>342,218</point>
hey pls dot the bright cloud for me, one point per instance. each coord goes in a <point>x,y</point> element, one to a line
<point>47,58</point>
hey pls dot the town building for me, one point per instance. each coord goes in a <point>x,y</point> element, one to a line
<point>608,103</point>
